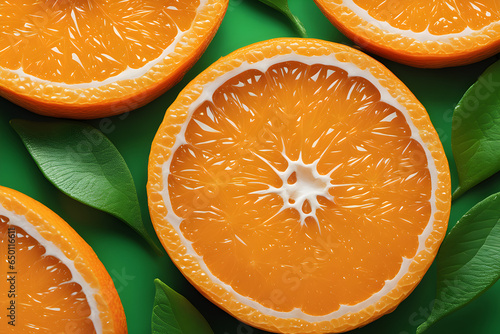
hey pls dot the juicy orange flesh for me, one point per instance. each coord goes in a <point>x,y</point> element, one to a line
<point>82,41</point>
<point>381,187</point>
<point>439,16</point>
<point>47,300</point>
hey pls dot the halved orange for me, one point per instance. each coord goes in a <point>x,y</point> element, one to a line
<point>430,33</point>
<point>96,58</point>
<point>300,186</point>
<point>52,281</point>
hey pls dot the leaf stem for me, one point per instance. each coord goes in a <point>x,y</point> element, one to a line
<point>458,193</point>
<point>282,7</point>
<point>146,236</point>
<point>423,327</point>
<point>299,27</point>
<point>159,251</point>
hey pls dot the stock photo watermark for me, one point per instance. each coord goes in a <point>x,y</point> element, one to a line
<point>11,274</point>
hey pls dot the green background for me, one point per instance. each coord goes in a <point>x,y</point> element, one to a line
<point>132,264</point>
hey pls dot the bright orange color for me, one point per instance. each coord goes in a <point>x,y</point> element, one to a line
<point>48,298</point>
<point>90,59</point>
<point>461,32</point>
<point>279,252</point>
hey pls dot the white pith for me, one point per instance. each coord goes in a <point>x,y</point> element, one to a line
<point>128,74</point>
<point>263,65</point>
<point>309,185</point>
<point>423,36</point>
<point>52,250</point>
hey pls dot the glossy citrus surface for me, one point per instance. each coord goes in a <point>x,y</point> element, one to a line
<point>51,279</point>
<point>437,33</point>
<point>88,59</point>
<point>300,186</point>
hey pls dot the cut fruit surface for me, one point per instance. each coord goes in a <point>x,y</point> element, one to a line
<point>88,59</point>
<point>52,281</point>
<point>435,33</point>
<point>300,186</point>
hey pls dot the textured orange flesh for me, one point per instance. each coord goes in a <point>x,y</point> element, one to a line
<point>47,300</point>
<point>381,192</point>
<point>67,41</point>
<point>440,17</point>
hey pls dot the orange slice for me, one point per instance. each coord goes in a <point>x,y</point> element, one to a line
<point>430,33</point>
<point>52,281</point>
<point>96,58</point>
<point>300,186</point>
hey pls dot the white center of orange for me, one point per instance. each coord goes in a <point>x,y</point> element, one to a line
<point>250,175</point>
<point>301,187</point>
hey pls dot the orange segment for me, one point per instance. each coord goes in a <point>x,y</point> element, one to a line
<point>300,186</point>
<point>52,280</point>
<point>438,17</point>
<point>116,35</point>
<point>105,56</point>
<point>366,188</point>
<point>433,33</point>
<point>48,297</point>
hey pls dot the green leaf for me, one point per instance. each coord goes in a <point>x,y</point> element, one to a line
<point>475,137</point>
<point>469,260</point>
<point>174,314</point>
<point>282,6</point>
<point>81,162</point>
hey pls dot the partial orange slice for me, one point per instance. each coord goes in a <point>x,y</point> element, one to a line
<point>52,281</point>
<point>430,33</point>
<point>90,59</point>
<point>300,186</point>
